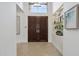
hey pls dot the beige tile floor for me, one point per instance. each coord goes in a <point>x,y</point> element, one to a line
<point>36,49</point>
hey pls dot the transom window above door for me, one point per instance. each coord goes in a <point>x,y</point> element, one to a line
<point>38,7</point>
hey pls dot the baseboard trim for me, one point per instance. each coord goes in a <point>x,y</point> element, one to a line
<point>57,48</point>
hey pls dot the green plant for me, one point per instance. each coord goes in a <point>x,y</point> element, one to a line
<point>59,28</point>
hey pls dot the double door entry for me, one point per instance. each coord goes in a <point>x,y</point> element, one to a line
<point>37,28</point>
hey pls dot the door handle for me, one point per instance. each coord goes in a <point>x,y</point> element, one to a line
<point>38,28</point>
<point>37,31</point>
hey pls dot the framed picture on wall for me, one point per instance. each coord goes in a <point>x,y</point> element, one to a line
<point>72,18</point>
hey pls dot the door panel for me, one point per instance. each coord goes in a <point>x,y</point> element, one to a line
<point>37,29</point>
<point>44,29</point>
<point>31,28</point>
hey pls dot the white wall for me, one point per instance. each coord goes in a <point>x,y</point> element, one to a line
<point>49,14</point>
<point>7,29</point>
<point>57,40</point>
<point>56,5</point>
<point>22,36</point>
<point>20,4</point>
<point>71,37</point>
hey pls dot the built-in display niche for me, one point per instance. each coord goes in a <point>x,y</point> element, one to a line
<point>17,25</point>
<point>58,21</point>
<point>38,7</point>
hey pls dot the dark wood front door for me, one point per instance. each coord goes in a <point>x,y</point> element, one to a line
<point>37,28</point>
